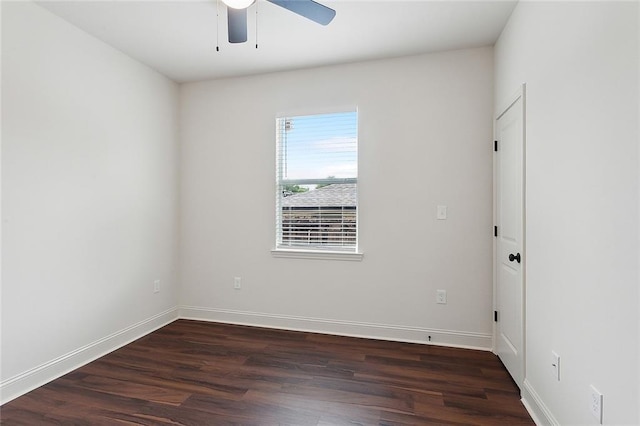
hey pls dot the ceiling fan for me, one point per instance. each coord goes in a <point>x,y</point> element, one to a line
<point>237,14</point>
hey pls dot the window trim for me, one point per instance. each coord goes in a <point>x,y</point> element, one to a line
<point>316,252</point>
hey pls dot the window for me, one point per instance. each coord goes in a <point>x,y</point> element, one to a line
<point>317,182</point>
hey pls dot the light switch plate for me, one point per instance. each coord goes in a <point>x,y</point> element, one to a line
<point>441,213</point>
<point>555,365</point>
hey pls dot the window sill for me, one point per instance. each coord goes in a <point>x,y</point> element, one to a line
<point>320,255</point>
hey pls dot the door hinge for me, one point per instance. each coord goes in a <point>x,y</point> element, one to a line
<point>495,316</point>
<point>495,231</point>
<point>495,146</point>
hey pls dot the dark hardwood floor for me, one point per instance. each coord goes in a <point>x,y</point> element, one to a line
<point>198,373</point>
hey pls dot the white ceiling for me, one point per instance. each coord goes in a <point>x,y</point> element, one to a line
<point>178,38</point>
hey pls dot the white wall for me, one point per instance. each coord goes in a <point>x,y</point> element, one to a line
<point>0,198</point>
<point>89,197</point>
<point>425,131</point>
<point>580,64</point>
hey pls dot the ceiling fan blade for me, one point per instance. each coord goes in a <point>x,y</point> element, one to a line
<point>309,9</point>
<point>237,22</point>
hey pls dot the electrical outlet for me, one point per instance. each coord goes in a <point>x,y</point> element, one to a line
<point>596,404</point>
<point>555,365</point>
<point>156,286</point>
<point>441,297</point>
<point>237,281</point>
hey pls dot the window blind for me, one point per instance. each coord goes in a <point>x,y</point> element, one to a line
<point>317,177</point>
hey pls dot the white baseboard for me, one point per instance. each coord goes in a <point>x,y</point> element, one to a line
<point>460,339</point>
<point>42,374</point>
<point>538,411</point>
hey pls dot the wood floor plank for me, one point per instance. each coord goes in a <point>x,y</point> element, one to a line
<point>127,388</point>
<point>199,373</point>
<point>253,408</point>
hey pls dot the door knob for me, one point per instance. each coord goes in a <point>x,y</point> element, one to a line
<point>515,257</point>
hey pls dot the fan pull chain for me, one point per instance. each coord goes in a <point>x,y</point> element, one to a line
<point>257,25</point>
<point>217,24</point>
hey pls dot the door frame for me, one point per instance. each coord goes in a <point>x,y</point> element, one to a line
<point>520,93</point>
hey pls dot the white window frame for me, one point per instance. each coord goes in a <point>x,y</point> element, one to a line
<point>310,252</point>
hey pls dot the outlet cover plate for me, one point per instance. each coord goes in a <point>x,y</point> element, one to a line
<point>596,404</point>
<point>441,297</point>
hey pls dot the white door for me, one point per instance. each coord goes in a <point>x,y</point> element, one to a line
<point>510,260</point>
